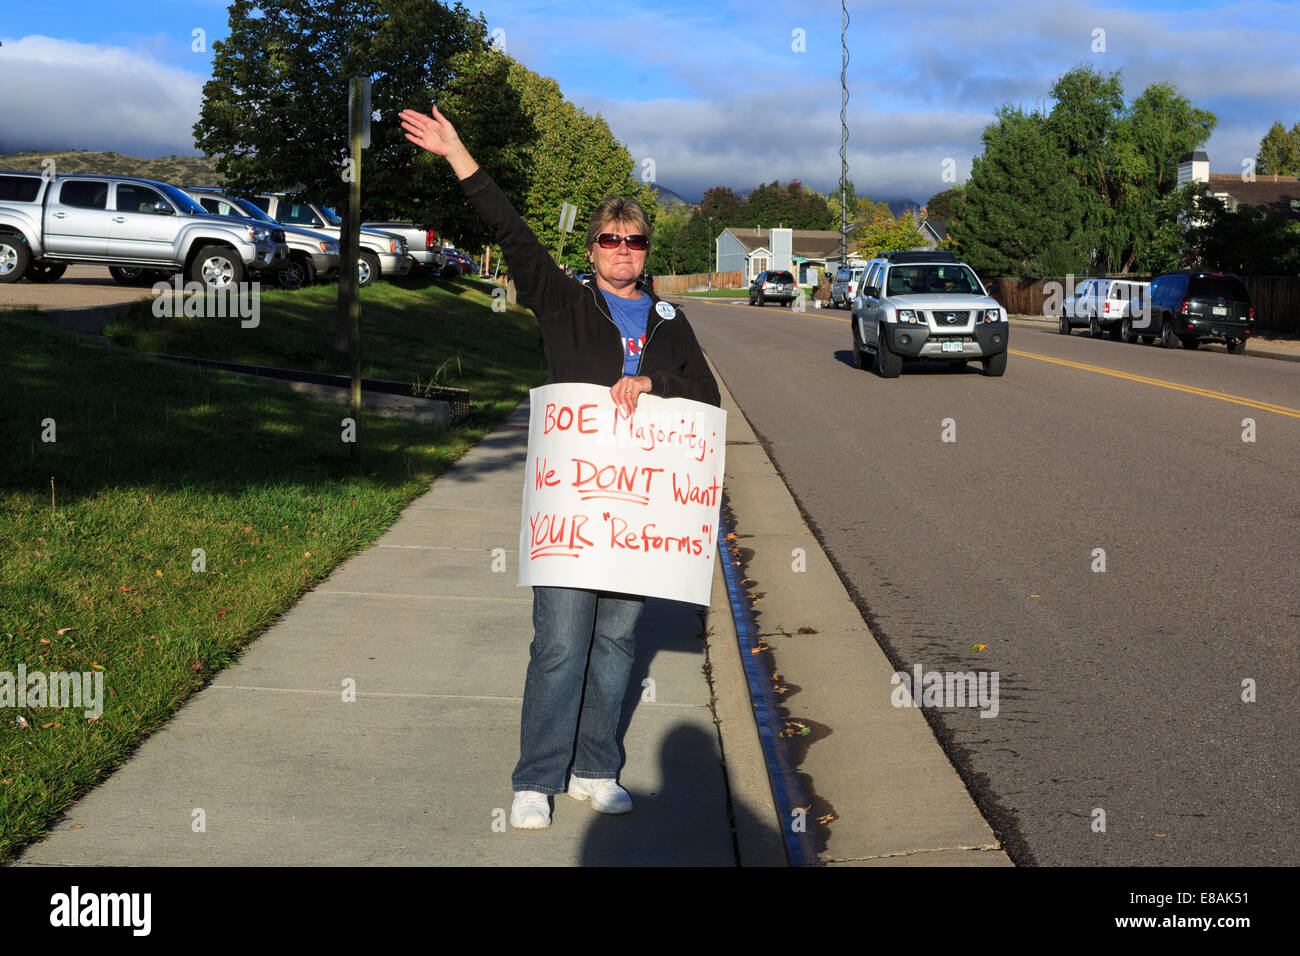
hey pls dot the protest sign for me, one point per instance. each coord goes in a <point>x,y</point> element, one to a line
<point>619,503</point>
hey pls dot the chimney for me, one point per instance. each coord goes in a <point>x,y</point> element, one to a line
<point>1193,168</point>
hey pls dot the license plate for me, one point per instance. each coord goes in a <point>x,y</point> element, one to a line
<point>1220,310</point>
<point>951,346</point>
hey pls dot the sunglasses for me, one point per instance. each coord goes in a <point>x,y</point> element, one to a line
<point>612,240</point>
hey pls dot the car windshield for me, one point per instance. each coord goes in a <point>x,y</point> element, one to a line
<point>333,218</point>
<point>254,212</point>
<point>183,201</point>
<point>1217,287</point>
<point>932,280</point>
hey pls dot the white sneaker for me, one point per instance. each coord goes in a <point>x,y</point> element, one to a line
<point>530,811</point>
<point>605,794</point>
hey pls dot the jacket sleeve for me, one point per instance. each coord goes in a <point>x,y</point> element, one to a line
<point>541,284</point>
<point>695,380</point>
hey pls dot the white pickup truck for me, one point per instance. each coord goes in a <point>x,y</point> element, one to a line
<point>136,227</point>
<point>382,253</point>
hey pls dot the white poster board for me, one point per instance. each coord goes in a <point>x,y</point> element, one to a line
<point>618,503</point>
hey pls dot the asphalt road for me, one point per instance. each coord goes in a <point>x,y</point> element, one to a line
<point>1121,690</point>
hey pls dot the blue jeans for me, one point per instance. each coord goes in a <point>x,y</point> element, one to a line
<point>579,638</point>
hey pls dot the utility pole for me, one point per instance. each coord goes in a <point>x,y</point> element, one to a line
<point>349,303</point>
<point>844,132</point>
<point>709,253</point>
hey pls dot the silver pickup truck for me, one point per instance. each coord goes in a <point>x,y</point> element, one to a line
<point>133,226</point>
<point>382,253</point>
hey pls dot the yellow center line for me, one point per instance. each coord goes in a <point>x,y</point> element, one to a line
<point>1190,389</point>
<point>1142,379</point>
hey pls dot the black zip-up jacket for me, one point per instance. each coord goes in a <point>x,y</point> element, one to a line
<point>583,343</point>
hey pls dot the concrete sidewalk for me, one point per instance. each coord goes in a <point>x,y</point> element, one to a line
<point>416,771</point>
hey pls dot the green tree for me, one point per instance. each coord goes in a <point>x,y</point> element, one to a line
<point>726,208</point>
<point>940,206</point>
<point>774,204</point>
<point>878,230</point>
<point>1248,240</point>
<point>574,158</point>
<point>1019,210</point>
<point>275,110</point>
<point>661,260</point>
<point>1279,151</point>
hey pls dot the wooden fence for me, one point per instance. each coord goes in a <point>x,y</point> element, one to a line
<point>1276,298</point>
<point>676,285</point>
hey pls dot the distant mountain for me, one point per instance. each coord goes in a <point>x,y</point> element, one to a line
<point>177,170</point>
<point>668,198</point>
<point>900,206</point>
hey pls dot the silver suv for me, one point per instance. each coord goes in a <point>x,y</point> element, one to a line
<point>926,306</point>
<point>382,253</point>
<point>136,227</point>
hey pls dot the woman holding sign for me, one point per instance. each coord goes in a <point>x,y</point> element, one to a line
<point>606,331</point>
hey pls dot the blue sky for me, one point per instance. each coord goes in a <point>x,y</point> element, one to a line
<point>715,93</point>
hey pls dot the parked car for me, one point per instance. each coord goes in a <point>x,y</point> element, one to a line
<point>137,227</point>
<point>926,305</point>
<point>312,255</point>
<point>773,285</point>
<point>844,287</point>
<point>422,243</point>
<point>381,254</point>
<point>1102,305</point>
<point>458,263</point>
<point>1188,308</point>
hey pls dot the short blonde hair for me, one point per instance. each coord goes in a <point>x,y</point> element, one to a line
<point>617,209</point>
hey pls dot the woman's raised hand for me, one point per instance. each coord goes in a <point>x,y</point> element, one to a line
<point>436,134</point>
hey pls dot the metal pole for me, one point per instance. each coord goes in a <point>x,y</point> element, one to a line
<point>844,132</point>
<point>349,294</point>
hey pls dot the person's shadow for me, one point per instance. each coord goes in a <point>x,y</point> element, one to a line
<point>686,822</point>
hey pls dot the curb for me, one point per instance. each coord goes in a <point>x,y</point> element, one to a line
<point>1252,348</point>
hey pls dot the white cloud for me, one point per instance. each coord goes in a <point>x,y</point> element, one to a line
<point>86,96</point>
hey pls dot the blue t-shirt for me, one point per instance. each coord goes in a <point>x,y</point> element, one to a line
<point>632,317</point>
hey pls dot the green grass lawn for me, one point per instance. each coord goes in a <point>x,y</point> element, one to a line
<point>154,460</point>
<point>717,294</point>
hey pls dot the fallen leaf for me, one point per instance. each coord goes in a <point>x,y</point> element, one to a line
<point>223,612</point>
<point>159,573</point>
<point>45,640</point>
<point>248,527</point>
<point>978,647</point>
<point>123,587</point>
<point>78,826</point>
<point>306,554</point>
<point>64,630</point>
<point>97,666</point>
<point>196,666</point>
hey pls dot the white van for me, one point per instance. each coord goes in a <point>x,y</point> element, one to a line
<point>845,285</point>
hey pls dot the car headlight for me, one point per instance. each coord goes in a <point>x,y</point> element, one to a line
<point>907,315</point>
<point>992,315</point>
<point>259,235</point>
<point>329,248</point>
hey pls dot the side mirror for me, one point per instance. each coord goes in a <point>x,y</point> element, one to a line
<point>162,209</point>
<point>993,288</point>
<point>871,292</point>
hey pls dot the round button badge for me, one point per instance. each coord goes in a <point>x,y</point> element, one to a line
<point>665,309</point>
